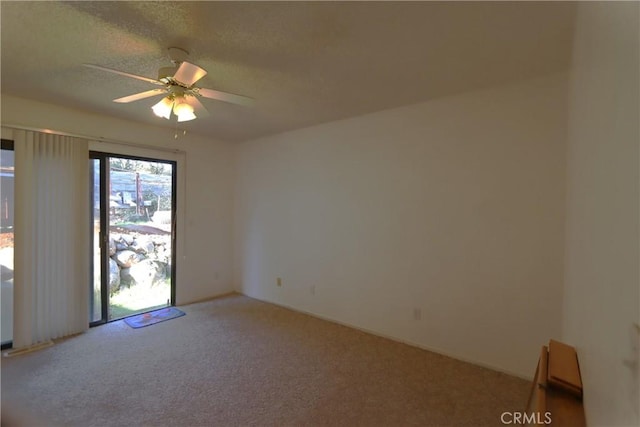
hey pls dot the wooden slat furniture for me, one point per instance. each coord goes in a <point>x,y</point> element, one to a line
<point>556,392</point>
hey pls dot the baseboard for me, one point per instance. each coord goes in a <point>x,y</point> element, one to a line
<point>226,294</point>
<point>392,338</point>
<point>29,349</point>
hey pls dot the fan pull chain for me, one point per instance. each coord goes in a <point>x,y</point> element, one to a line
<point>184,132</point>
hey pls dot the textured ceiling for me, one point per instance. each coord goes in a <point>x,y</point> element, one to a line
<point>304,63</point>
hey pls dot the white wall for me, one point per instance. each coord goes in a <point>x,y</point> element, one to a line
<point>454,207</point>
<point>602,280</point>
<point>205,185</point>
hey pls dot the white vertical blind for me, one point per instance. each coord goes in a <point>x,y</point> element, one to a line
<point>52,251</point>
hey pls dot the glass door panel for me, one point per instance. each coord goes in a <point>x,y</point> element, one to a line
<point>96,289</point>
<point>140,236</point>
<point>134,261</point>
<point>6,240</point>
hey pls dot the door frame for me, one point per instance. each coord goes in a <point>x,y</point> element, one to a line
<point>104,186</point>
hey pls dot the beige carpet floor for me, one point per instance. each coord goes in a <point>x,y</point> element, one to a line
<point>236,361</point>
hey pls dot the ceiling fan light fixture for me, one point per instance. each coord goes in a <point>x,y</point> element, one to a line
<point>183,110</point>
<point>185,117</point>
<point>163,108</point>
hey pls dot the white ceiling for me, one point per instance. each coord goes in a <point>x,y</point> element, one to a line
<point>304,63</point>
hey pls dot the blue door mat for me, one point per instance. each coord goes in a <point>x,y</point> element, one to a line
<point>153,317</point>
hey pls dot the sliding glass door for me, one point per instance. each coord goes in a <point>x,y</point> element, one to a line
<point>6,240</point>
<point>133,214</point>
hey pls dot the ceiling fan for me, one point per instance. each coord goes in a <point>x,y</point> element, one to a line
<point>178,87</point>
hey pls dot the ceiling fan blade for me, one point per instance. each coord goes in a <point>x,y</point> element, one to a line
<point>188,73</point>
<point>122,73</point>
<point>226,97</point>
<point>199,109</point>
<point>141,95</point>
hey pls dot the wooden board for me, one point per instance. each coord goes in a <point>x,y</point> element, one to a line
<point>563,368</point>
<point>551,405</point>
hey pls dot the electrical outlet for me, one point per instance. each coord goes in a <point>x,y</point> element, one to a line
<point>417,314</point>
<point>279,281</point>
